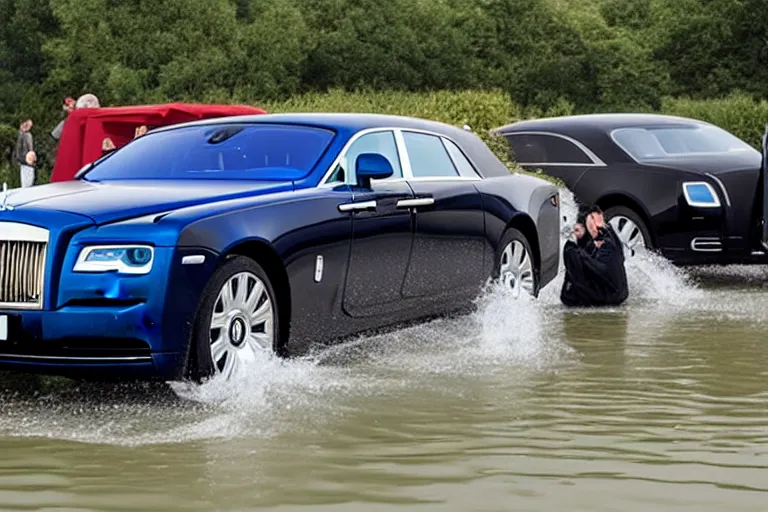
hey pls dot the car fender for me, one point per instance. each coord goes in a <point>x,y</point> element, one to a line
<point>523,200</point>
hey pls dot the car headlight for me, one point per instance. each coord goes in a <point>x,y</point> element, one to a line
<point>123,259</point>
<point>700,194</point>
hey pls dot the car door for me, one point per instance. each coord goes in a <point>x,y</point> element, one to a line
<point>381,231</point>
<point>449,233</point>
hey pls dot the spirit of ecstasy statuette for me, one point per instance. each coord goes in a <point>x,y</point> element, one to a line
<point>4,201</point>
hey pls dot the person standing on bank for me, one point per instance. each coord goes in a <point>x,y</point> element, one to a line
<point>594,265</point>
<point>69,106</point>
<point>25,154</point>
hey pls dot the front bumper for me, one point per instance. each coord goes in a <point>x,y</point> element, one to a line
<point>711,246</point>
<point>89,342</point>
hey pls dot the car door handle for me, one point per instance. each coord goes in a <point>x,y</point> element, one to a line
<point>356,207</point>
<point>414,203</point>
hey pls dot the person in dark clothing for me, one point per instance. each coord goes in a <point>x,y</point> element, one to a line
<point>594,265</point>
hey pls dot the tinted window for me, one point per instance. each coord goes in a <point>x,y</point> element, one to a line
<point>382,143</point>
<point>545,149</point>
<point>651,143</point>
<point>428,156</point>
<point>464,166</point>
<point>221,151</point>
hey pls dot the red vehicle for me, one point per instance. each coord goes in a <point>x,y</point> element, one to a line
<point>87,131</point>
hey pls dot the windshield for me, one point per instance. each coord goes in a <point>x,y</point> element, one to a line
<point>220,152</point>
<point>654,143</point>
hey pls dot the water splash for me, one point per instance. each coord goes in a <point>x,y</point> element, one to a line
<point>651,278</point>
<point>505,335</point>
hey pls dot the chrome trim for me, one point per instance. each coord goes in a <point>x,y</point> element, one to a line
<point>3,327</point>
<point>413,203</point>
<point>342,155</point>
<point>596,160</point>
<point>405,162</point>
<point>352,207</point>
<point>193,259</point>
<point>706,245</point>
<point>722,187</point>
<point>18,232</point>
<point>319,268</point>
<point>70,358</point>
<point>556,164</point>
<point>23,257</point>
<point>405,159</point>
<point>628,153</point>
<point>697,204</point>
<point>432,178</point>
<point>474,169</point>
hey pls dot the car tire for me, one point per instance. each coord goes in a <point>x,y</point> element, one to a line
<point>619,217</point>
<point>236,340</point>
<point>514,269</point>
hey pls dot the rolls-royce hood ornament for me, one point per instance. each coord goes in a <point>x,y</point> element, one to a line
<point>4,199</point>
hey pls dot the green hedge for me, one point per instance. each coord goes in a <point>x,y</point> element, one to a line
<point>482,111</point>
<point>740,114</point>
<point>7,175</point>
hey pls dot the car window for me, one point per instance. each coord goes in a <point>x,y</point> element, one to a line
<point>462,163</point>
<point>545,149</point>
<point>382,143</point>
<point>428,155</point>
<point>219,151</point>
<point>651,143</point>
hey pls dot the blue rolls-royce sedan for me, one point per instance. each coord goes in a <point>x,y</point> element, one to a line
<point>185,252</point>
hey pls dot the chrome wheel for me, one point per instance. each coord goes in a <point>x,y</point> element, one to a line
<point>242,324</point>
<point>629,233</point>
<point>516,268</point>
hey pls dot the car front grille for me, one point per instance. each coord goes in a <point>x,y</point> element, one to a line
<point>23,251</point>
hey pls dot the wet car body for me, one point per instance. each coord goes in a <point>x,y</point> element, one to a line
<point>646,169</point>
<point>106,276</point>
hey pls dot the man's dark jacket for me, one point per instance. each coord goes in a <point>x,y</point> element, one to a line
<point>594,276</point>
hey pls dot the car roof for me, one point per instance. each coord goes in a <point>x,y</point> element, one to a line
<point>348,121</point>
<point>602,122</point>
<point>478,153</point>
<point>594,130</point>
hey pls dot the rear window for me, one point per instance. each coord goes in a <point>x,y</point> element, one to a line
<point>654,143</point>
<point>218,152</point>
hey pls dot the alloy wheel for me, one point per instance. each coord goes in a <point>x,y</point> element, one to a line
<point>242,324</point>
<point>516,268</point>
<point>629,233</point>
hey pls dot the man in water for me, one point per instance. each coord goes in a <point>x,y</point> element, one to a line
<point>594,264</point>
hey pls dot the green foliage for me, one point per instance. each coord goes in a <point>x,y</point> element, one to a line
<point>8,136</point>
<point>738,113</point>
<point>526,58</point>
<point>594,54</point>
<point>482,111</point>
<point>10,175</point>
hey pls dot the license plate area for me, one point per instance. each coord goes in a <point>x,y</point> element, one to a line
<point>10,327</point>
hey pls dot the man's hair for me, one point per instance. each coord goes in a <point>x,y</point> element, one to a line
<point>593,209</point>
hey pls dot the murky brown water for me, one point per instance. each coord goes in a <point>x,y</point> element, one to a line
<point>658,405</point>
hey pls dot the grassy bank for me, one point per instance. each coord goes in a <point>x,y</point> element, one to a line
<point>481,110</point>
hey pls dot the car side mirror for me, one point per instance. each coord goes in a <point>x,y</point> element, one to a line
<point>372,166</point>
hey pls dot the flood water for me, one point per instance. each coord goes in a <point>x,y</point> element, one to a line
<point>660,404</point>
